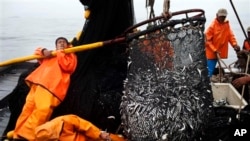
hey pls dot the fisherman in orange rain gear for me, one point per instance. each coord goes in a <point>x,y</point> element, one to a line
<point>48,86</point>
<point>218,35</point>
<point>246,44</point>
<point>72,128</point>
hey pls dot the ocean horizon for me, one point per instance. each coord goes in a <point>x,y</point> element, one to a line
<point>26,24</point>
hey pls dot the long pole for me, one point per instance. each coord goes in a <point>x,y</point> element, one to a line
<point>238,19</point>
<point>68,50</point>
<point>243,88</point>
<point>242,93</point>
<point>220,67</point>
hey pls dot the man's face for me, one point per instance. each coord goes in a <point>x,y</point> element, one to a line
<point>61,44</point>
<point>221,19</point>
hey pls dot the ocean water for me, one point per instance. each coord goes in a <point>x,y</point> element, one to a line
<point>28,24</point>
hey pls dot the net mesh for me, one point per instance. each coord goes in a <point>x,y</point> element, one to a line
<point>167,94</point>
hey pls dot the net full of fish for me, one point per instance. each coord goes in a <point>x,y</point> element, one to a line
<point>167,93</point>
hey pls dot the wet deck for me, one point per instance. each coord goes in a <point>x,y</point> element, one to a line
<point>8,81</point>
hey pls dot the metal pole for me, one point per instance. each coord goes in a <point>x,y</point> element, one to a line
<point>238,19</point>
<point>243,88</point>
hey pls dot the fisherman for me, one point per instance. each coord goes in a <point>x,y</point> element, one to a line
<point>246,44</point>
<point>48,86</point>
<point>239,81</point>
<point>72,128</point>
<point>218,35</point>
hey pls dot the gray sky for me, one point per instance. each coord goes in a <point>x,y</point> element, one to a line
<point>43,20</point>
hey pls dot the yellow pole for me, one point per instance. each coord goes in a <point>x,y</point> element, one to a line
<point>68,50</point>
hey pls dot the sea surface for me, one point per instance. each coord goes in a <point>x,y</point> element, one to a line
<point>28,24</point>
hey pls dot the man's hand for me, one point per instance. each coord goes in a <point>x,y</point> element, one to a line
<point>105,136</point>
<point>38,51</point>
<point>46,52</point>
<point>241,81</point>
<point>236,48</point>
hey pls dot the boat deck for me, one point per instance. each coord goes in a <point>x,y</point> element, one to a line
<point>8,81</point>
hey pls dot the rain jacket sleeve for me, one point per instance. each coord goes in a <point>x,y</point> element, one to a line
<point>209,38</point>
<point>232,38</point>
<point>83,126</point>
<point>38,51</point>
<point>67,62</point>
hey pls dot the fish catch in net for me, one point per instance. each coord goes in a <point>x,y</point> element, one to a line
<point>167,94</point>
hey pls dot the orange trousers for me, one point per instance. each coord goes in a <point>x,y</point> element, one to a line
<point>37,110</point>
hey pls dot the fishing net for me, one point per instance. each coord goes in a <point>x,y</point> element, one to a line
<point>226,122</point>
<point>167,93</point>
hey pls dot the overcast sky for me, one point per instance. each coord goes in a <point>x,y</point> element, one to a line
<point>22,20</point>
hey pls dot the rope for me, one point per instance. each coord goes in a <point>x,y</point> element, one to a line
<point>219,68</point>
<point>229,68</point>
<point>150,3</point>
<point>166,6</point>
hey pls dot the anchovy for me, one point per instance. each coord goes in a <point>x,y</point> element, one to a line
<point>167,92</point>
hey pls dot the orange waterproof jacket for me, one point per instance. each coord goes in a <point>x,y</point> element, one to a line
<point>246,44</point>
<point>217,37</point>
<point>70,128</point>
<point>54,73</point>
